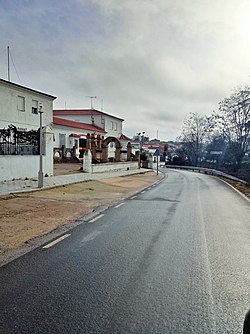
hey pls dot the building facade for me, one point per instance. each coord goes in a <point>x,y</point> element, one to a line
<point>19,126</point>
<point>70,137</point>
<point>112,125</point>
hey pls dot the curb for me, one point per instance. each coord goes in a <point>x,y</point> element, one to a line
<point>239,192</point>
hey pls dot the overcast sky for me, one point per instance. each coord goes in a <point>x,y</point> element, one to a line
<point>151,61</point>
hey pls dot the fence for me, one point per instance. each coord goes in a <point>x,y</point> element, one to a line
<point>208,171</point>
<point>17,142</point>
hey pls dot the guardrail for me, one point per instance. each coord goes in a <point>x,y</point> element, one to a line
<point>206,171</point>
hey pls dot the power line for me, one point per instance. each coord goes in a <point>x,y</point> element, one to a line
<point>15,68</point>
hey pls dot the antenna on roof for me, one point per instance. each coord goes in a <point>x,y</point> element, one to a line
<point>8,58</point>
<point>91,100</point>
<point>102,105</point>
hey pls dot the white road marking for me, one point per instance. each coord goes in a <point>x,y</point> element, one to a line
<point>56,241</point>
<point>117,206</point>
<point>133,197</point>
<point>96,218</point>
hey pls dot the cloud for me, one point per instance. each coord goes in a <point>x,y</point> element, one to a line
<point>151,61</point>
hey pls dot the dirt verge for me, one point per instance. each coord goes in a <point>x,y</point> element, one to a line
<point>243,188</point>
<point>26,216</point>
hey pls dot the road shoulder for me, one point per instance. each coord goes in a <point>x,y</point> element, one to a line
<point>28,220</point>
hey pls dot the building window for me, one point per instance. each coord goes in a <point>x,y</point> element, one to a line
<point>111,125</point>
<point>34,108</point>
<point>21,103</point>
<point>62,139</point>
<point>115,127</point>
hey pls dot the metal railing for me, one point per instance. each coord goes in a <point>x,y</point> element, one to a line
<point>207,171</point>
<point>17,142</point>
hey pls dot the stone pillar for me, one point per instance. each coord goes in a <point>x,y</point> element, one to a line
<point>88,141</point>
<point>93,147</point>
<point>99,142</point>
<point>87,162</point>
<point>118,153</point>
<point>129,151</point>
<point>48,150</point>
<point>104,156</point>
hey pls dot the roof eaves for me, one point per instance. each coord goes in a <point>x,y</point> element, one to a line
<point>26,88</point>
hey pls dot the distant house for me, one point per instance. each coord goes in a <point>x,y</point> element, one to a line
<point>70,137</point>
<point>19,125</point>
<point>111,125</point>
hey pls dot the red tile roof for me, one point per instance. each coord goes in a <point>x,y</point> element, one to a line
<point>60,112</point>
<point>123,137</point>
<point>78,125</point>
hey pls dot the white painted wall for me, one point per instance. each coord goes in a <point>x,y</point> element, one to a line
<point>113,126</point>
<point>22,166</point>
<point>80,118</point>
<point>11,114</point>
<point>107,167</point>
<point>14,166</point>
<point>110,124</point>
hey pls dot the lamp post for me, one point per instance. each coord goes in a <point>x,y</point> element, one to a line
<point>40,172</point>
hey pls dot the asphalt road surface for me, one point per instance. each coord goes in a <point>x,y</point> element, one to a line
<point>173,259</point>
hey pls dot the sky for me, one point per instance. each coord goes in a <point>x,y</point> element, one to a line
<point>150,62</point>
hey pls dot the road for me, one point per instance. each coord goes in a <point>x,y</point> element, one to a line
<point>173,259</point>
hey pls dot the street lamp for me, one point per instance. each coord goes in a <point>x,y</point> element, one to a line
<point>40,172</point>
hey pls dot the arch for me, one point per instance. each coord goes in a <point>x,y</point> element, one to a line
<point>118,147</point>
<point>109,140</point>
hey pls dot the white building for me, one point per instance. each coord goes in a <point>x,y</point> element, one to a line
<point>112,125</point>
<point>19,108</point>
<point>68,135</point>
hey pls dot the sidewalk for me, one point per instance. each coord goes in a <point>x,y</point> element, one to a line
<point>15,186</point>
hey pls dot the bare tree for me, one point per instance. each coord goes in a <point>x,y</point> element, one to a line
<point>195,133</point>
<point>233,123</point>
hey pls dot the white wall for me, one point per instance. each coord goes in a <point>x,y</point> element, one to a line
<point>22,166</point>
<point>113,129</point>
<point>11,114</point>
<point>80,118</point>
<point>101,168</point>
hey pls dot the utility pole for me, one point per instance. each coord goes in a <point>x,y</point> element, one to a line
<point>140,137</point>
<point>40,172</point>
<point>8,58</point>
